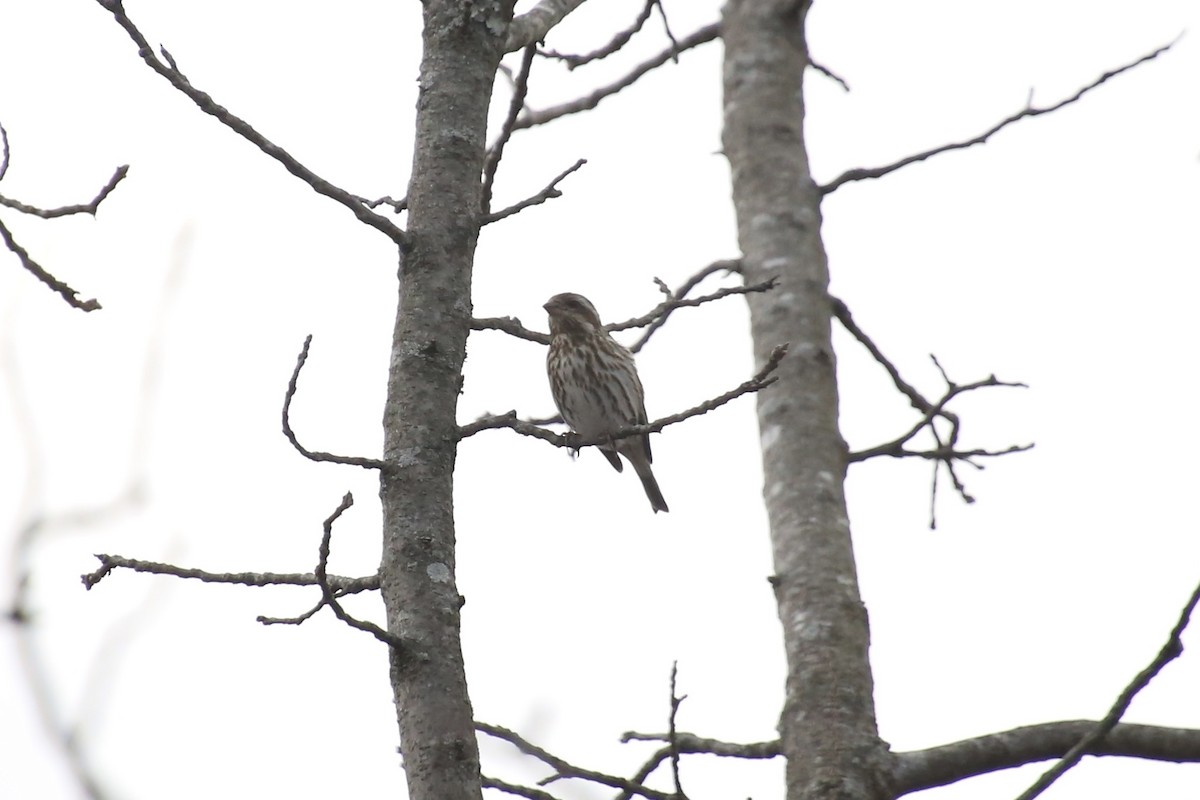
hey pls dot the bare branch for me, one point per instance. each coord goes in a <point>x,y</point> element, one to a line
<point>491,159</point>
<point>510,325</point>
<point>760,381</point>
<point>667,306</point>
<point>654,318</point>
<point>3,152</point>
<point>1171,650</point>
<point>108,563</point>
<point>511,788</point>
<point>167,68</point>
<point>1029,111</point>
<point>297,620</point>
<point>728,266</point>
<point>551,191</point>
<point>616,43</point>
<point>689,743</point>
<point>950,763</point>
<point>672,733</point>
<point>564,769</point>
<point>945,452</point>
<point>828,73</point>
<point>590,101</point>
<point>89,207</point>
<point>534,24</point>
<point>327,590</point>
<point>662,13</point>
<point>67,293</point>
<point>355,461</point>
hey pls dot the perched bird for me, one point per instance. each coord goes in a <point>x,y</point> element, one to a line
<point>596,387</point>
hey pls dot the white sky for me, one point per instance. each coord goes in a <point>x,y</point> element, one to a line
<point>1062,254</point>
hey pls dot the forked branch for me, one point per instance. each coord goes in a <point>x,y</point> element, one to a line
<point>946,452</point>
<point>27,261</point>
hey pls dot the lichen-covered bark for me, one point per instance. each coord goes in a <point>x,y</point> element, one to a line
<point>462,47</point>
<point>827,727</point>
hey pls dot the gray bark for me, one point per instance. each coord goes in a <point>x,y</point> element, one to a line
<point>463,43</point>
<point>827,728</point>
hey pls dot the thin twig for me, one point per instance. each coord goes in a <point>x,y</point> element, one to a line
<point>167,68</point>
<point>689,743</point>
<point>662,12</point>
<point>828,73</point>
<point>3,152</point>
<point>563,769</point>
<point>590,101</point>
<point>859,174</point>
<point>90,207</point>
<point>672,734</point>
<point>36,269</point>
<point>1171,650</point>
<point>311,455</point>
<point>945,453</point>
<point>550,192</point>
<point>327,590</point>
<point>513,326</point>
<point>512,788</point>
<point>667,306</point>
<point>108,563</point>
<point>619,40</point>
<point>491,159</point>
<point>728,266</point>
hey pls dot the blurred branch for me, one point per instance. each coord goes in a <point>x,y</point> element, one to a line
<point>1030,110</point>
<point>664,308</point>
<point>690,744</point>
<point>491,159</point>
<point>760,381</point>
<point>532,26</point>
<point>565,770</point>
<point>108,563</point>
<point>619,40</point>
<point>728,266</point>
<point>311,455</point>
<point>167,68</point>
<point>550,192</point>
<point>590,101</point>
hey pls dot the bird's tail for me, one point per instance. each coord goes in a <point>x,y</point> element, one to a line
<point>642,467</point>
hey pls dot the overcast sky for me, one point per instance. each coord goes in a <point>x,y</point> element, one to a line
<point>1062,254</point>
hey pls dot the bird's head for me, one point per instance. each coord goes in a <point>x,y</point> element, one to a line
<point>572,313</point>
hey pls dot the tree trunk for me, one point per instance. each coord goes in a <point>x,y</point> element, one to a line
<point>462,48</point>
<point>827,727</point>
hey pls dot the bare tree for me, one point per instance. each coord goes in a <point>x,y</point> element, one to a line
<point>828,732</point>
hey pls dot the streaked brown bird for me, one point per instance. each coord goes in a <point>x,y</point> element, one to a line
<point>596,387</point>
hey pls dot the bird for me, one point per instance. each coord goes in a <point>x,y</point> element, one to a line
<point>596,387</point>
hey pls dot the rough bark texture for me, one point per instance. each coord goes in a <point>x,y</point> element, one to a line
<point>827,727</point>
<point>462,48</point>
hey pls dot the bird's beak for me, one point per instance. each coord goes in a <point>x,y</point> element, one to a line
<point>548,304</point>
